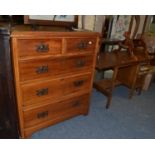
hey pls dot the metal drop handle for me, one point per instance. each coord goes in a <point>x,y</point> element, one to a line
<point>82,45</point>
<point>78,83</point>
<point>42,92</point>
<point>80,63</point>
<point>42,69</point>
<point>76,103</point>
<point>41,48</point>
<point>42,114</point>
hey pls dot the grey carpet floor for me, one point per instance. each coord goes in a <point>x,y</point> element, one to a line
<point>127,119</point>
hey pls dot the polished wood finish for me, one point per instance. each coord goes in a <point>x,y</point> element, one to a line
<point>56,85</point>
<point>39,91</point>
<point>31,69</point>
<point>30,47</point>
<point>74,45</point>
<point>49,111</point>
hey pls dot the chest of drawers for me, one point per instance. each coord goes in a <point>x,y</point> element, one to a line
<point>53,76</point>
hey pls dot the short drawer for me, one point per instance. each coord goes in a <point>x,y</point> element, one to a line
<point>55,110</point>
<point>36,47</point>
<point>37,92</point>
<point>80,45</point>
<point>44,68</point>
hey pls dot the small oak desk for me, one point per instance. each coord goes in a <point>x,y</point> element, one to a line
<point>126,71</point>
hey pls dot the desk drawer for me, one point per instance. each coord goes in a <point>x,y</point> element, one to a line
<point>37,47</point>
<point>80,45</point>
<point>43,68</point>
<point>39,91</point>
<point>55,110</point>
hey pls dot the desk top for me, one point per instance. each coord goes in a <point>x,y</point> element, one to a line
<point>108,60</point>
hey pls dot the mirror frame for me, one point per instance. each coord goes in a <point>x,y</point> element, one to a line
<point>68,24</point>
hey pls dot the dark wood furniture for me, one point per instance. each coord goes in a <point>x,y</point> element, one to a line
<point>128,62</point>
<point>116,62</point>
<point>129,66</point>
<point>8,115</point>
<point>53,75</point>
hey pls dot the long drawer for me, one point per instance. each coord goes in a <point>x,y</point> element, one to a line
<point>55,110</point>
<point>34,93</point>
<point>43,68</point>
<point>38,47</point>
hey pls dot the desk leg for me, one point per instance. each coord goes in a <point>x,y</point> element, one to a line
<point>133,87</point>
<point>113,81</point>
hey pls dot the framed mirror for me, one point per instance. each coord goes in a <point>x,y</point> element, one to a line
<point>68,21</point>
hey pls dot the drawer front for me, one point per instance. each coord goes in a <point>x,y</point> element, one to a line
<point>36,47</point>
<point>55,110</point>
<point>37,92</point>
<point>43,68</point>
<point>80,45</point>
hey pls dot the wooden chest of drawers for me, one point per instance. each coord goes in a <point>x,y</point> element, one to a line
<point>53,76</point>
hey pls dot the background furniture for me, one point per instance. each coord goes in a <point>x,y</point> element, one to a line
<point>139,51</point>
<point>149,39</point>
<point>53,74</point>
<point>8,115</point>
<point>117,61</point>
<point>129,63</point>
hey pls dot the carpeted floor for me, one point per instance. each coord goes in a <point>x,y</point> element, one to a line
<point>126,118</point>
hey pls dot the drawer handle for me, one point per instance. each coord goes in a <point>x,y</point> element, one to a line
<point>42,92</point>
<point>82,45</point>
<point>42,69</point>
<point>78,83</point>
<point>80,63</point>
<point>42,114</point>
<point>76,103</point>
<point>42,48</point>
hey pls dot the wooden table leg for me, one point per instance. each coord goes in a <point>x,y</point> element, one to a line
<point>113,82</point>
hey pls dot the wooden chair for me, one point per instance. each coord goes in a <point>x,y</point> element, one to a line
<point>138,50</point>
